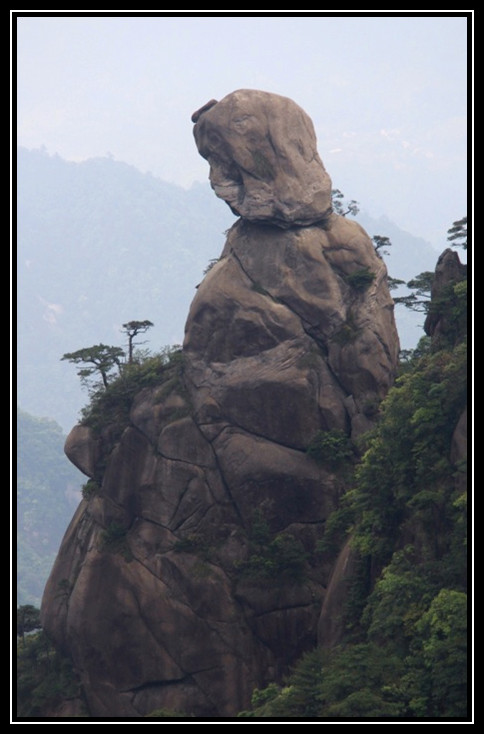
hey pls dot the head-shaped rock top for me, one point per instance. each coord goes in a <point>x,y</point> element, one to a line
<point>263,159</point>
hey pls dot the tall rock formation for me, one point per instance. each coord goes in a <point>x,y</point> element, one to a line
<point>263,158</point>
<point>191,574</point>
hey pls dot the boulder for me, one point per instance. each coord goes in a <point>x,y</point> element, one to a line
<point>439,324</point>
<point>263,158</point>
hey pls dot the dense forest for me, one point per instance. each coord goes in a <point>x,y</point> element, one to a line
<point>404,650</point>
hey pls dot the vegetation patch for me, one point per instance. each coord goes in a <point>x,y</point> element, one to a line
<point>360,280</point>
<point>348,331</point>
<point>211,264</point>
<point>111,405</point>
<point>403,654</point>
<point>332,448</point>
<point>196,544</point>
<point>274,559</point>
<point>114,540</point>
<point>89,489</point>
<point>45,678</point>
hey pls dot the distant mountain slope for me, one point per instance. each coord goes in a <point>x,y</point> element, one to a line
<point>407,257</point>
<point>100,243</point>
<point>48,491</point>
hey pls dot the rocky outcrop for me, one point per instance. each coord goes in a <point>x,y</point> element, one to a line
<point>192,575</point>
<point>263,158</point>
<point>441,324</point>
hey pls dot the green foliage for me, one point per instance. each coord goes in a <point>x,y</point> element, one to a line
<point>112,534</point>
<point>261,697</point>
<point>408,357</point>
<point>352,206</point>
<point>282,560</point>
<point>101,360</point>
<point>360,280</point>
<point>28,620</point>
<point>449,308</point>
<point>132,329</point>
<point>441,635</point>
<point>211,264</point>
<point>458,233</point>
<point>45,678</point>
<point>406,471</point>
<point>114,540</point>
<point>338,525</point>
<point>197,544</point>
<point>332,448</point>
<point>345,682</point>
<point>400,595</point>
<point>404,652</point>
<point>394,283</point>
<point>419,298</point>
<point>380,243</point>
<point>89,488</point>
<point>275,559</point>
<point>347,332</point>
<point>111,406</point>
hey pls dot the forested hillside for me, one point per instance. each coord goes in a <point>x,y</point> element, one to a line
<point>48,491</point>
<point>402,525</point>
<point>100,244</point>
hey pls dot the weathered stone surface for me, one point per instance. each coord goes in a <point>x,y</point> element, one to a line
<point>448,271</point>
<point>263,159</point>
<point>83,450</point>
<point>169,589</point>
<point>458,452</point>
<point>281,341</point>
<point>332,621</point>
<point>279,345</point>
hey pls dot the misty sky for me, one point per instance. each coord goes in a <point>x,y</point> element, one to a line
<point>387,96</point>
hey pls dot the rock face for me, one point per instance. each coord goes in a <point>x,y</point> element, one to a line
<point>192,575</point>
<point>448,272</point>
<point>263,158</point>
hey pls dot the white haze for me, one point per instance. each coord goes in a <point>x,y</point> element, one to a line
<point>387,95</point>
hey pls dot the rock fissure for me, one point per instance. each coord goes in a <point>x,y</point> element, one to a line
<point>266,437</point>
<point>289,607</point>
<point>306,325</point>
<point>188,516</point>
<point>155,683</point>
<point>228,492</point>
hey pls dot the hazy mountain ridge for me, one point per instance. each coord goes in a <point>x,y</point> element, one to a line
<point>48,491</point>
<point>100,243</point>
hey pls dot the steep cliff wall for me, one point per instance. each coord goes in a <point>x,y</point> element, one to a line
<point>191,575</point>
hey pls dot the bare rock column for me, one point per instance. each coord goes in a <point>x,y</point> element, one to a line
<point>191,575</point>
